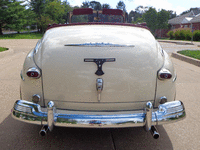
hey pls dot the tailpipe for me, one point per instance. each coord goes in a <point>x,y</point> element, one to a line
<point>154,132</point>
<point>44,130</point>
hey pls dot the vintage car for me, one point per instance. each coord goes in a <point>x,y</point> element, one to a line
<point>101,74</point>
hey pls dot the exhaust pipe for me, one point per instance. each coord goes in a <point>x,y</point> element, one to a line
<point>154,132</point>
<point>44,130</point>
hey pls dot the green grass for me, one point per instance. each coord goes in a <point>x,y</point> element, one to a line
<point>3,49</point>
<point>22,36</point>
<point>191,53</point>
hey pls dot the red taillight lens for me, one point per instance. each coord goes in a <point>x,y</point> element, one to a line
<point>164,74</point>
<point>33,73</point>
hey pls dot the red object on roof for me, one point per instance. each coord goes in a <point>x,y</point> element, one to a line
<point>82,11</point>
<point>112,12</point>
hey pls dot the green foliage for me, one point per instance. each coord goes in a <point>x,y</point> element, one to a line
<point>188,35</point>
<point>139,20</point>
<point>107,6</point>
<point>151,18</point>
<point>162,20</point>
<point>180,35</point>
<point>22,36</point>
<point>135,17</point>
<point>171,34</point>
<point>141,9</point>
<point>196,35</point>
<point>55,11</point>
<point>43,21</point>
<point>194,54</point>
<point>49,12</point>
<point>12,15</point>
<point>85,4</point>
<point>3,49</point>
<point>95,5</point>
<point>16,16</point>
<point>121,5</point>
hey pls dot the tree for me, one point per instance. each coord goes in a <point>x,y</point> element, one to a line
<point>162,20</point>
<point>95,5</point>
<point>67,8</point>
<point>39,8</point>
<point>121,5</point>
<point>51,11</point>
<point>55,11</point>
<point>141,9</point>
<point>172,14</point>
<point>16,16</point>
<point>12,15</point>
<point>3,11</point>
<point>151,18</point>
<point>107,6</point>
<point>85,4</point>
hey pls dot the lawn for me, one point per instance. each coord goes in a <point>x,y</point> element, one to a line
<point>191,53</point>
<point>22,36</point>
<point>3,49</point>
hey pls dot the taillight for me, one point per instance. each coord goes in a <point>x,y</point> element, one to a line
<point>33,73</point>
<point>164,74</point>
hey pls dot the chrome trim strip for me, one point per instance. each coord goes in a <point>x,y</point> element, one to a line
<point>21,75</point>
<point>174,79</point>
<point>100,45</point>
<point>31,113</point>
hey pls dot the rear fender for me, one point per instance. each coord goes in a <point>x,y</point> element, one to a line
<point>30,86</point>
<point>166,87</point>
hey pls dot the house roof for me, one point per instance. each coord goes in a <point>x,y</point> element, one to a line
<point>190,17</point>
<point>196,11</point>
<point>179,19</point>
<point>196,19</point>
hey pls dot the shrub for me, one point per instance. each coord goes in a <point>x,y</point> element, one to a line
<point>171,34</point>
<point>196,35</point>
<point>188,34</point>
<point>183,35</point>
<point>177,35</point>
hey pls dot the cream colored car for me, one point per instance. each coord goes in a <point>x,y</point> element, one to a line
<point>98,75</point>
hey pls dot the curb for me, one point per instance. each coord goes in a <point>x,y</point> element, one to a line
<point>6,53</point>
<point>190,60</point>
<point>177,42</point>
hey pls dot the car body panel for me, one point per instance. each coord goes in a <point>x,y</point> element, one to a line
<point>131,78</point>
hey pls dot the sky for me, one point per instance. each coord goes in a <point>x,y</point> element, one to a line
<point>176,5</point>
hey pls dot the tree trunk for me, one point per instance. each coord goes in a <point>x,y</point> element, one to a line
<point>1,32</point>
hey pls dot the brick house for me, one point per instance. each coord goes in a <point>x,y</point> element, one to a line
<point>189,20</point>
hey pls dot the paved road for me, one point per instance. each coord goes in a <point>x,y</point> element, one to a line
<point>182,135</point>
<point>173,47</point>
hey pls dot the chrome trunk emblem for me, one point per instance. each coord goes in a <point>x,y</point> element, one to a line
<point>99,86</point>
<point>99,63</point>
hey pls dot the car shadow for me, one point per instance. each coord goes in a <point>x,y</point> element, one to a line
<point>138,139</point>
<point>19,135</point>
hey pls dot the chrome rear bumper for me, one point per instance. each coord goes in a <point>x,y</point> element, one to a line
<point>35,114</point>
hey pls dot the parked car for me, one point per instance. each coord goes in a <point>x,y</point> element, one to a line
<point>100,74</point>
